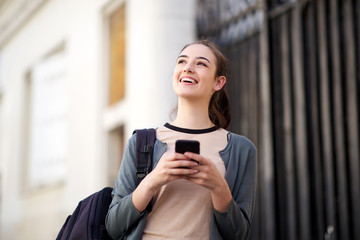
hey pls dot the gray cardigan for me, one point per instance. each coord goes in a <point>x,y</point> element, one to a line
<point>123,221</point>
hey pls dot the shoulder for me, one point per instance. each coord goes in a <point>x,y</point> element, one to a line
<point>241,141</point>
<point>132,139</point>
<point>136,132</point>
<point>239,157</point>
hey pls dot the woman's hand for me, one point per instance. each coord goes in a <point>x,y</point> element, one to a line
<point>210,178</point>
<point>172,167</point>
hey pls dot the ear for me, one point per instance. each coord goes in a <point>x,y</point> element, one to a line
<point>220,82</point>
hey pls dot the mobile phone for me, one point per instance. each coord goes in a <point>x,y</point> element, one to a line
<point>182,146</point>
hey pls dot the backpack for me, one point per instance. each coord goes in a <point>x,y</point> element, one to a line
<point>87,222</point>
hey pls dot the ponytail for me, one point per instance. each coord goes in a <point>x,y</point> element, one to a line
<point>219,109</point>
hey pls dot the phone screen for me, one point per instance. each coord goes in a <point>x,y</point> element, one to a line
<point>182,146</point>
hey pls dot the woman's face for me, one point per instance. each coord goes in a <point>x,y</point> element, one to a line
<point>194,73</point>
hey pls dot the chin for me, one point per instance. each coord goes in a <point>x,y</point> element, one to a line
<point>189,96</point>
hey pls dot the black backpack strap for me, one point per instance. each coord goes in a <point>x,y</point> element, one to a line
<point>145,140</point>
<point>98,228</point>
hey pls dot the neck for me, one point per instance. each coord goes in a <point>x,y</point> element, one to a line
<point>192,115</point>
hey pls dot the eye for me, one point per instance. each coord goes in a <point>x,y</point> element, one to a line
<point>202,64</point>
<point>180,61</point>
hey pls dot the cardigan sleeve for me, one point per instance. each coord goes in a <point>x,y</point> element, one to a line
<point>122,214</point>
<point>241,177</point>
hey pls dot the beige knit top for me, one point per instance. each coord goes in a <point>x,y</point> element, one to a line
<point>181,209</point>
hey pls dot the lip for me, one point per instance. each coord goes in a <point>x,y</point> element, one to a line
<point>188,80</point>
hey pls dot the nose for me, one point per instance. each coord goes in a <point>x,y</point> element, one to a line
<point>189,67</point>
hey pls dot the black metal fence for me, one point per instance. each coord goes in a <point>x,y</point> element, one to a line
<point>294,86</point>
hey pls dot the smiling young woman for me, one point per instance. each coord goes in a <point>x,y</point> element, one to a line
<point>209,198</point>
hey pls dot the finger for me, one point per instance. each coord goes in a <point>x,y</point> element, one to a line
<point>171,160</point>
<point>197,179</point>
<point>177,156</point>
<point>197,157</point>
<point>183,171</point>
<point>183,163</point>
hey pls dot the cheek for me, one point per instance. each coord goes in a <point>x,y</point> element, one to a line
<point>176,74</point>
<point>175,83</point>
<point>178,69</point>
<point>175,78</point>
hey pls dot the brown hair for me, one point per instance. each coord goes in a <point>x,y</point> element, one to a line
<point>219,106</point>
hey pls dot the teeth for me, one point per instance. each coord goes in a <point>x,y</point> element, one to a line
<point>188,80</point>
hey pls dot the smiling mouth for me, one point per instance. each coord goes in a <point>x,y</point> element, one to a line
<point>188,80</point>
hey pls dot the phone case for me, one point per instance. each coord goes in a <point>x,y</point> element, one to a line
<point>182,146</point>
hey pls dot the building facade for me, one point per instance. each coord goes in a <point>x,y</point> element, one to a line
<point>76,78</point>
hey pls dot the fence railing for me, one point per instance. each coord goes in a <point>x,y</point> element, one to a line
<point>294,86</point>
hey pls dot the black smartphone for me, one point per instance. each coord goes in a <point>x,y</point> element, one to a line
<point>182,146</point>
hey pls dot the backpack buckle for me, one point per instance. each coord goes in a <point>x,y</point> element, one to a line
<point>141,173</point>
<point>147,149</point>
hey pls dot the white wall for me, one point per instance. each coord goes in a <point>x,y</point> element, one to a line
<point>57,22</point>
<point>156,31</point>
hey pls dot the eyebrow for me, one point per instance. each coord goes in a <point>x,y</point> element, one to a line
<point>186,56</point>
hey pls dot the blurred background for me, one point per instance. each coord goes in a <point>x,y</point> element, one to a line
<point>77,77</point>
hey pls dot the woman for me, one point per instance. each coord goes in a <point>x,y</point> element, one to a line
<point>209,198</point>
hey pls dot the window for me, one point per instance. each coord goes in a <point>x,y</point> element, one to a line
<point>116,150</point>
<point>117,55</point>
<point>26,130</point>
<point>48,126</point>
